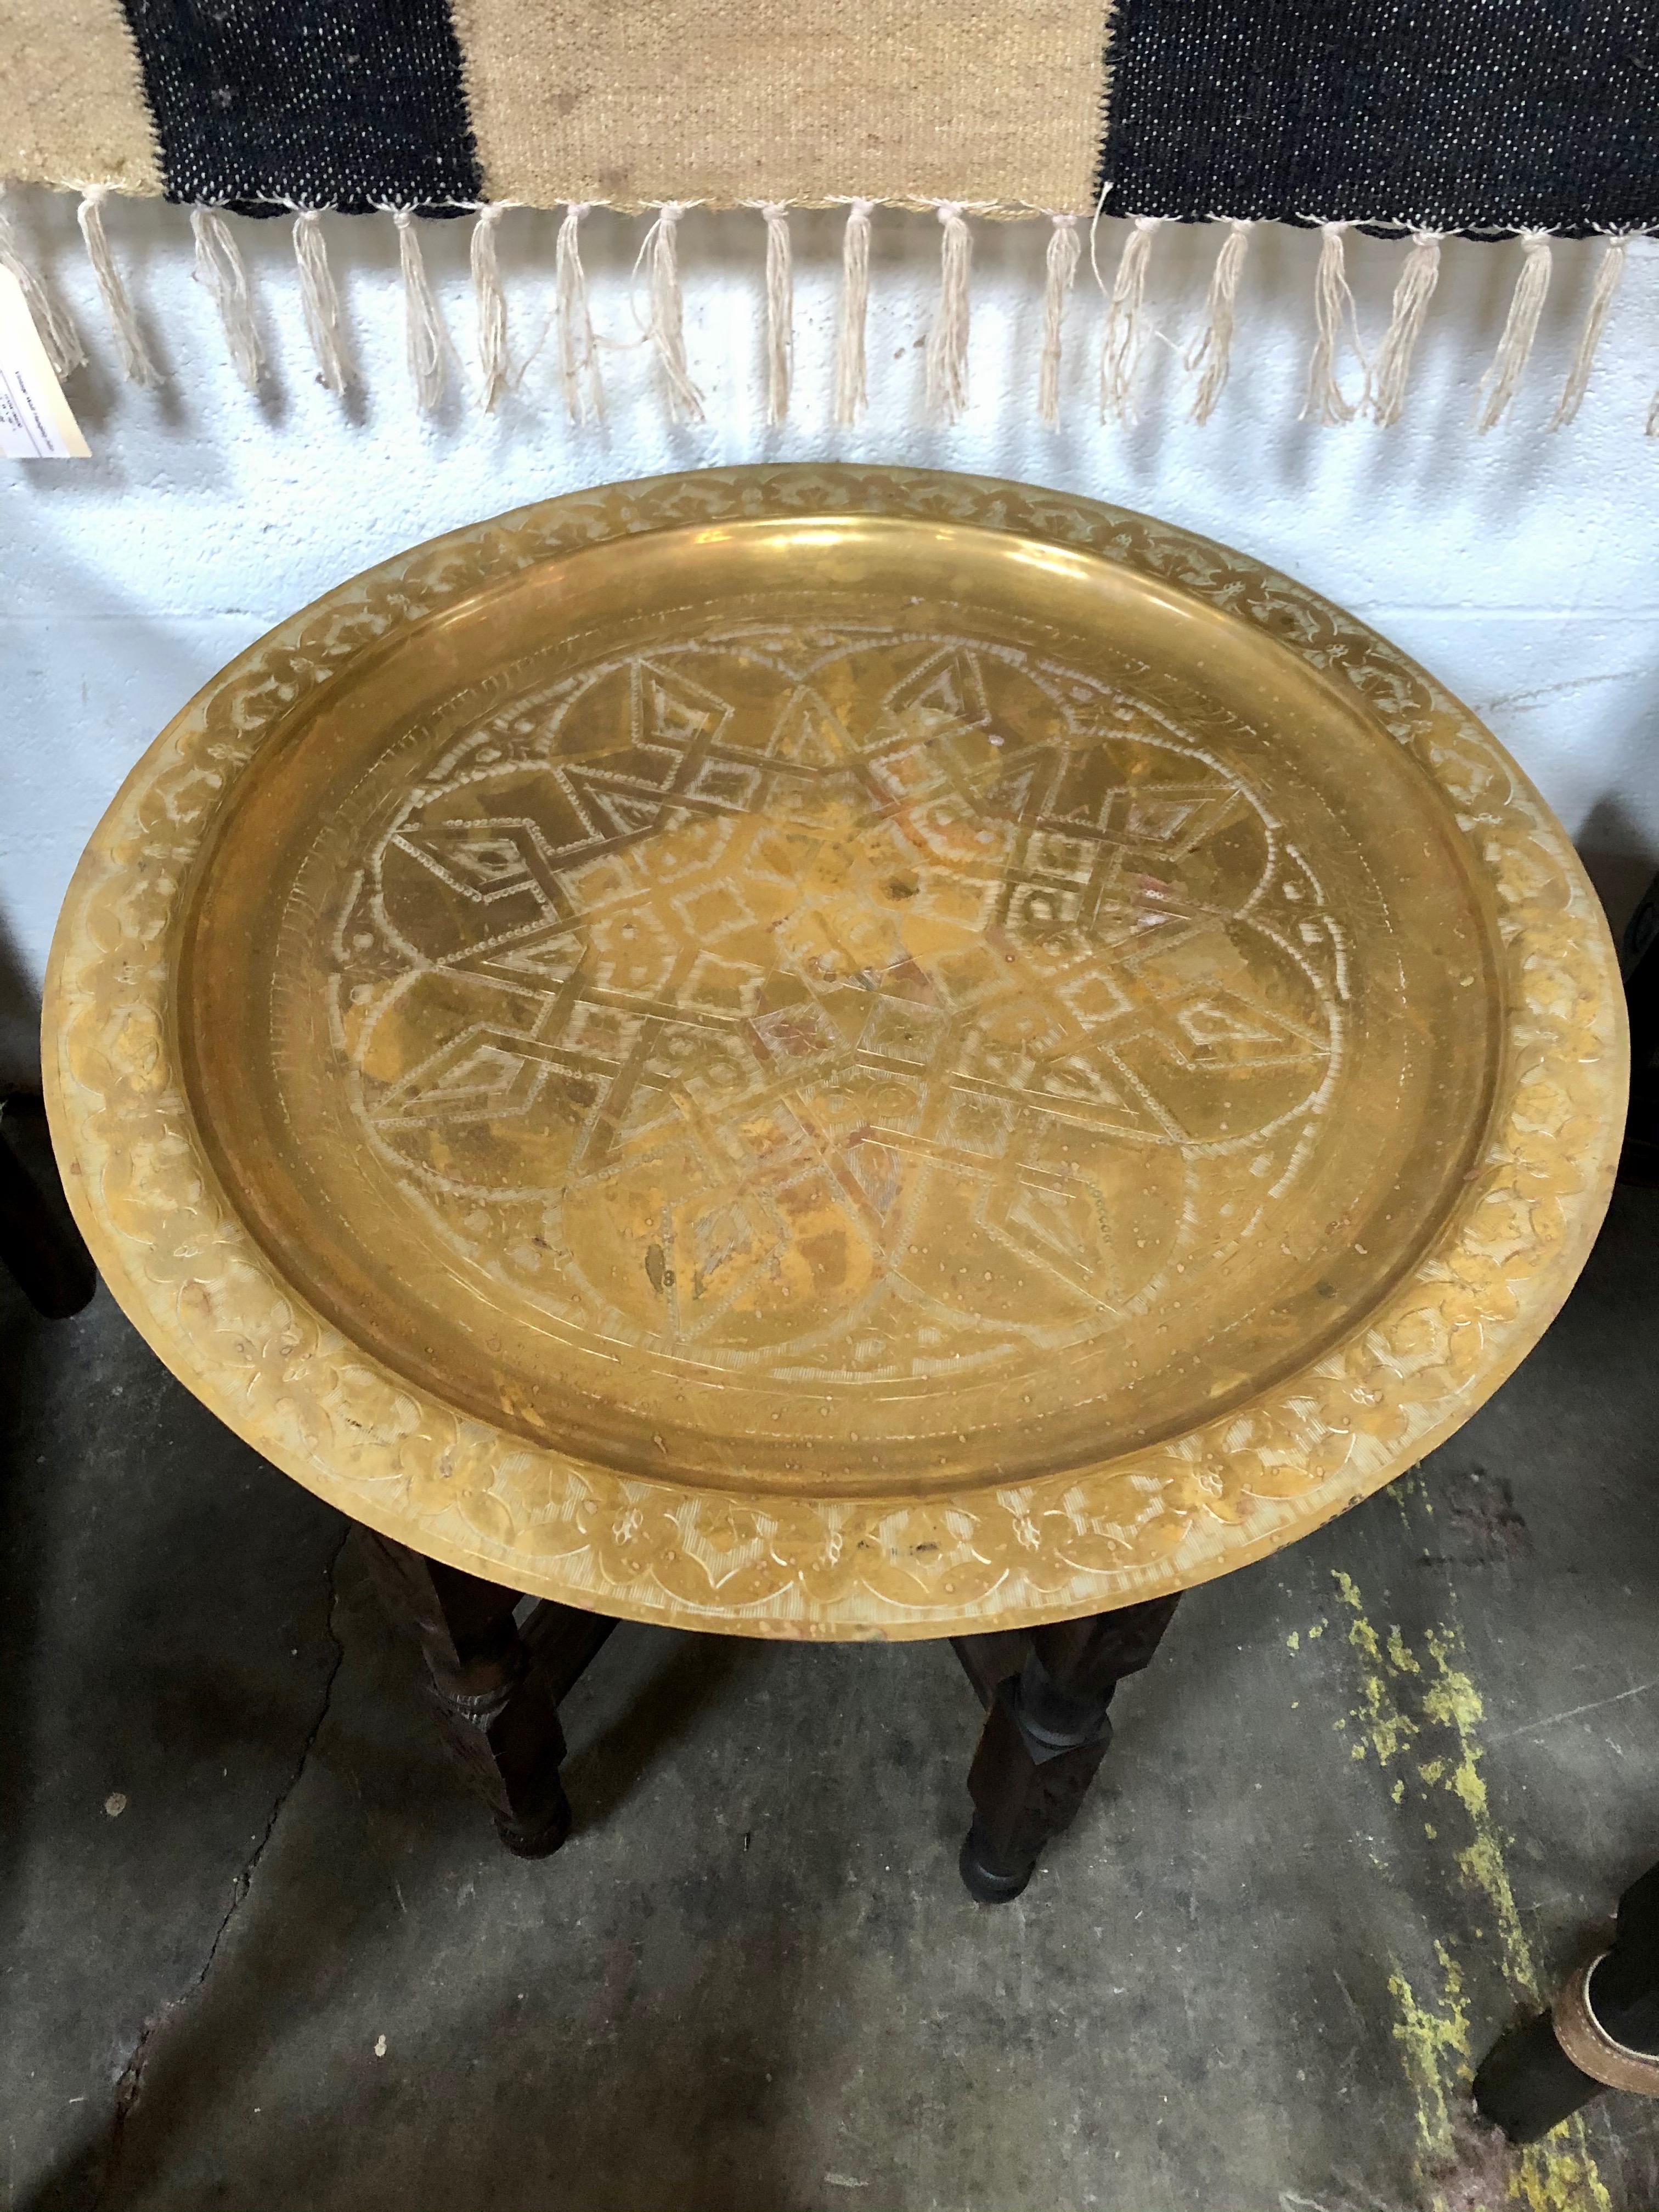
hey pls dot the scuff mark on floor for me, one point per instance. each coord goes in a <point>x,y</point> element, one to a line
<point>130,2086</point>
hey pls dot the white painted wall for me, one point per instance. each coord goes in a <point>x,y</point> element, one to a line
<point>1518,567</point>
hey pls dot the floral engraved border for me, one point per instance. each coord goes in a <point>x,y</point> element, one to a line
<point>201,1292</point>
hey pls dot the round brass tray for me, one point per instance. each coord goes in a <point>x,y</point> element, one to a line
<point>833,1051</point>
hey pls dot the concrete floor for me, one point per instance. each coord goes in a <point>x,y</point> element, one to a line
<point>259,1949</point>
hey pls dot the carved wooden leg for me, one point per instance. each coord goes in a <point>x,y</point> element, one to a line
<point>1046,1732</point>
<point>496,1691</point>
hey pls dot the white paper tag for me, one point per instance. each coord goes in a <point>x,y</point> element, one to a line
<point>35,422</point>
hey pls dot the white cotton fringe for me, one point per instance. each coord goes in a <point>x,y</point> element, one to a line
<point>1208,358</point>
<point>578,360</point>
<point>320,303</point>
<point>219,269</point>
<point>1333,308</point>
<point>57,333</point>
<point>947,340</point>
<point>491,301</point>
<point>1065,248</point>
<point>423,332</point>
<point>666,327</point>
<point>780,311</point>
<point>135,363</point>
<point>852,394</point>
<point>1212,355</point>
<point>1120,352</point>
<point>1412,295</point>
<point>1502,380</point>
<point>1608,279</point>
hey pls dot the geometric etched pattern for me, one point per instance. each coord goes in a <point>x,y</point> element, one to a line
<point>381,1437</point>
<point>736,999</point>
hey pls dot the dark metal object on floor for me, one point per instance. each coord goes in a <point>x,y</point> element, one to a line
<point>1601,2032</point>
<point>39,1242</point>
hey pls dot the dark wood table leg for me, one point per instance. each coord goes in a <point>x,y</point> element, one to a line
<point>496,1690</point>
<point>1046,1731</point>
<point>39,1240</point>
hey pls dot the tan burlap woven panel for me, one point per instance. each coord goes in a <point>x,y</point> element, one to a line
<point>786,100</point>
<point>72,104</point>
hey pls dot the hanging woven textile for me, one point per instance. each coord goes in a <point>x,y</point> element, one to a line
<point>1519,122</point>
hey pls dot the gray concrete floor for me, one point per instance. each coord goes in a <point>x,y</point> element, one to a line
<point>259,1949</point>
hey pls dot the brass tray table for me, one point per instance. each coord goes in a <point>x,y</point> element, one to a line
<point>828,1051</point>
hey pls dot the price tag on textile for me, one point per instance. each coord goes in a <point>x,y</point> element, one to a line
<point>35,422</point>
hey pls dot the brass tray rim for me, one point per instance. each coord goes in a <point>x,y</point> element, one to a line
<point>360,1435</point>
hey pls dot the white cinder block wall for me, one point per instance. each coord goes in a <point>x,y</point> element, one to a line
<point>1519,567</point>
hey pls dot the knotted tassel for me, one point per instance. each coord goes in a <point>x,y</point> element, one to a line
<point>850,394</point>
<point>947,340</point>
<point>135,363</point>
<point>1120,352</point>
<point>491,303</point>
<point>1412,295</point>
<point>1334,307</point>
<point>780,311</point>
<point>578,359</point>
<point>219,268</point>
<point>423,332</point>
<point>1607,278</point>
<point>1065,248</point>
<point>1214,352</point>
<point>1502,380</point>
<point>666,327</point>
<point>320,302</point>
<point>57,333</point>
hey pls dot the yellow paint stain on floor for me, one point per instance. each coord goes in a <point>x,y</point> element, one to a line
<point>1452,1698</point>
<point>1557,2175</point>
<point>1380,1716</point>
<point>1436,2044</point>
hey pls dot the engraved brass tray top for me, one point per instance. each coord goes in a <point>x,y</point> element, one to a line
<point>832,1051</point>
